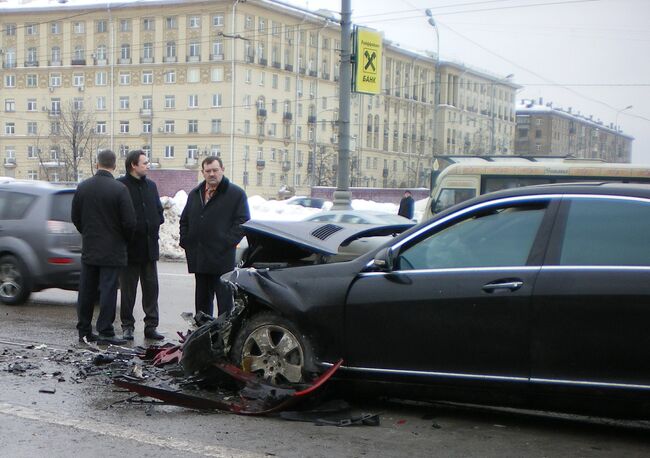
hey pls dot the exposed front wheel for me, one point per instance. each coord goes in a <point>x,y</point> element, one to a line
<point>271,347</point>
<point>14,281</point>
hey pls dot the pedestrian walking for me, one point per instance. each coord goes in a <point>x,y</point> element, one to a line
<point>142,250</point>
<point>406,206</point>
<point>210,229</point>
<point>103,213</point>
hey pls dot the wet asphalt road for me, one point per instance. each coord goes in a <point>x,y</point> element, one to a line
<point>90,417</point>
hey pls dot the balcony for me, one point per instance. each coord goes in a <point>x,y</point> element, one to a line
<point>170,59</point>
<point>10,162</point>
<point>288,67</point>
<point>101,62</point>
<point>260,164</point>
<point>9,65</point>
<point>52,164</point>
<point>54,113</point>
<point>124,60</point>
<point>311,119</point>
<point>214,57</point>
<point>146,112</point>
<point>313,73</point>
<point>193,58</point>
<point>78,62</point>
<point>263,61</point>
<point>154,163</point>
<point>276,65</point>
<point>54,63</point>
<point>326,76</point>
<point>287,116</point>
<point>31,63</point>
<point>249,59</point>
<point>302,70</point>
<point>261,112</point>
<point>286,166</point>
<point>384,173</point>
<point>146,60</point>
<point>191,163</point>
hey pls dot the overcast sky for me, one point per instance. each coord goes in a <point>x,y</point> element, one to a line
<point>591,55</point>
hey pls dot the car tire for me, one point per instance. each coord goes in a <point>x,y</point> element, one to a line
<point>15,281</point>
<point>272,347</point>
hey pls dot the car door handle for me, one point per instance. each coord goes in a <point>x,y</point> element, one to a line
<point>513,285</point>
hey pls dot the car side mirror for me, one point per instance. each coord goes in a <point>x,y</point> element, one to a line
<point>384,260</point>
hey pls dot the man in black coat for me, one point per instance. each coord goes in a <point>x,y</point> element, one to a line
<point>406,206</point>
<point>210,229</point>
<point>103,213</point>
<point>143,251</point>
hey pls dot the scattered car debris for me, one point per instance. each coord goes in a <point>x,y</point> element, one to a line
<point>47,390</point>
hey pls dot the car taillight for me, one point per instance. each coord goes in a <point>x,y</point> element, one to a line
<point>60,227</point>
<point>59,260</point>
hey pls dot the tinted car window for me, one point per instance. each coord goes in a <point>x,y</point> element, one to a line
<point>607,232</point>
<point>16,205</point>
<point>503,237</point>
<point>60,207</point>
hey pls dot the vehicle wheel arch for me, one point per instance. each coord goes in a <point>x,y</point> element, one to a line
<point>16,282</point>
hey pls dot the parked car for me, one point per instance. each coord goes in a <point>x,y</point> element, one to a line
<point>358,217</point>
<point>534,297</point>
<point>363,241</point>
<point>39,246</point>
<point>310,202</point>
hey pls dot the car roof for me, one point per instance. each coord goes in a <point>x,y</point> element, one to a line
<point>35,186</point>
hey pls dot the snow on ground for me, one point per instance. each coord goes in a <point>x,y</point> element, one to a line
<point>261,209</point>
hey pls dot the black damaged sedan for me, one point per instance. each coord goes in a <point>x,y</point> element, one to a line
<point>535,297</point>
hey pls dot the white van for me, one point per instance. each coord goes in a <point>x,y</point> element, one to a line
<point>465,177</point>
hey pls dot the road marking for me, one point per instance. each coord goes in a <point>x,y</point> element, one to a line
<point>120,432</point>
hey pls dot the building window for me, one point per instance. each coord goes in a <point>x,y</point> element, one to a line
<point>101,26</point>
<point>193,101</point>
<point>147,102</point>
<point>32,175</point>
<point>169,151</point>
<point>125,78</point>
<point>170,77</point>
<point>78,80</point>
<point>32,80</point>
<point>31,105</point>
<point>217,74</point>
<point>260,178</point>
<point>101,103</point>
<point>10,30</point>
<point>216,126</point>
<point>147,77</point>
<point>147,51</point>
<point>216,100</point>
<point>146,127</point>
<point>100,78</point>
<point>100,52</point>
<point>32,128</point>
<point>217,50</point>
<point>32,152</point>
<point>32,56</point>
<point>217,20</point>
<point>193,126</point>
<point>215,150</point>
<point>125,25</point>
<point>125,51</point>
<point>78,27</point>
<point>192,152</point>
<point>248,75</point>
<point>31,29</point>
<point>148,23</point>
<point>124,127</point>
<point>78,104</point>
<point>170,49</point>
<point>169,127</point>
<point>195,49</point>
<point>79,53</point>
<point>10,105</point>
<point>170,101</point>
<point>193,75</point>
<point>10,128</point>
<point>171,22</point>
<point>124,102</point>
<point>55,79</point>
<point>194,22</point>
<point>100,127</point>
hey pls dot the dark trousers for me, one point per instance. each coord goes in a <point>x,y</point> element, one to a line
<point>94,281</point>
<point>147,274</point>
<point>207,285</point>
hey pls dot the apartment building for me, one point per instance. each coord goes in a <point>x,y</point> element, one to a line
<point>545,130</point>
<point>255,83</point>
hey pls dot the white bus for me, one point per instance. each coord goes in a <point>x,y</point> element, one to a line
<point>468,176</point>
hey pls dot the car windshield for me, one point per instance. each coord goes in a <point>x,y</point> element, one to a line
<point>60,208</point>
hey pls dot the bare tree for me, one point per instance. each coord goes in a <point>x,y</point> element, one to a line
<point>70,149</point>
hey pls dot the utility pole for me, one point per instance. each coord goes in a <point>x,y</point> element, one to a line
<point>342,197</point>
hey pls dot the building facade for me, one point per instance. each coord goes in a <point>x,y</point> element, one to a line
<point>255,83</point>
<point>544,130</point>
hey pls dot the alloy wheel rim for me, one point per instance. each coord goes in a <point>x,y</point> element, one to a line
<point>275,354</point>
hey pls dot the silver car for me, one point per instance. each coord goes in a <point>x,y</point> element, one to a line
<point>39,246</point>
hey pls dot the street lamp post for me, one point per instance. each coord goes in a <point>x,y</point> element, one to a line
<point>493,111</point>
<point>436,80</point>
<point>616,127</point>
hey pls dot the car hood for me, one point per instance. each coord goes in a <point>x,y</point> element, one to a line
<point>284,242</point>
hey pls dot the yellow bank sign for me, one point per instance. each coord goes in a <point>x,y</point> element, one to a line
<point>367,51</point>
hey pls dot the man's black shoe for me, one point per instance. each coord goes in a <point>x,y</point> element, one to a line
<point>153,334</point>
<point>109,340</point>
<point>127,334</point>
<point>89,337</point>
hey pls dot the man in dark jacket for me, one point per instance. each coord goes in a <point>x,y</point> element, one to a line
<point>143,251</point>
<point>406,206</point>
<point>210,229</point>
<point>103,213</point>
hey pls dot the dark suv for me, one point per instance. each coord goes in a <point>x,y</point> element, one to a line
<point>39,246</point>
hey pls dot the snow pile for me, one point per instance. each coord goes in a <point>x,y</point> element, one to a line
<point>261,209</point>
